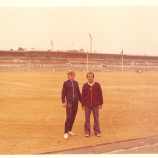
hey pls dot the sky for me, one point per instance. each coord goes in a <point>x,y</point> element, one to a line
<point>113,24</point>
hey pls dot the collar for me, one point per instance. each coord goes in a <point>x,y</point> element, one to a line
<point>91,84</point>
<point>70,81</point>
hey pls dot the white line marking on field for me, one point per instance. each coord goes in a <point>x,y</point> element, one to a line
<point>139,147</point>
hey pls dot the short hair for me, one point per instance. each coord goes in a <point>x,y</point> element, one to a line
<point>71,73</point>
<point>90,73</point>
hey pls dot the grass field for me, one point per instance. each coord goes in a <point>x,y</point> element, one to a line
<point>32,117</point>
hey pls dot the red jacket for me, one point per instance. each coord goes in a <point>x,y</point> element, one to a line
<point>92,95</point>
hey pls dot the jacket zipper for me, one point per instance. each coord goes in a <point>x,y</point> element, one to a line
<point>91,95</point>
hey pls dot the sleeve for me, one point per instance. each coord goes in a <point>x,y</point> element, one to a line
<point>63,93</point>
<point>100,94</point>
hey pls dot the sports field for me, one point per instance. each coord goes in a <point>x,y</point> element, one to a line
<point>32,117</point>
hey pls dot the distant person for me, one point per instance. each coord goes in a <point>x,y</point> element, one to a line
<point>92,100</point>
<point>139,71</point>
<point>71,93</point>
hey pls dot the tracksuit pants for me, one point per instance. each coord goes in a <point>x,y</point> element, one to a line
<point>96,126</point>
<point>71,111</point>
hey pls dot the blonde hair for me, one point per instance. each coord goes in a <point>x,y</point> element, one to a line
<point>71,73</point>
<point>90,73</point>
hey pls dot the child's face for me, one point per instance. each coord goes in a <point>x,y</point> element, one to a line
<point>90,78</point>
<point>71,77</point>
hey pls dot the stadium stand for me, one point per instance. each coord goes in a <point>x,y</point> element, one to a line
<point>48,60</point>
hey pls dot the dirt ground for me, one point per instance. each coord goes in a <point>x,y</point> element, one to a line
<point>32,117</point>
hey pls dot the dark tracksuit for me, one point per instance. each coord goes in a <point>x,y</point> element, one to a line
<point>91,98</point>
<point>72,94</point>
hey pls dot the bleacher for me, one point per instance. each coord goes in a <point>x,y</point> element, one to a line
<point>76,60</point>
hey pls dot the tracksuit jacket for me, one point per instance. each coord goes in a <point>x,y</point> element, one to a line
<point>71,91</point>
<point>92,95</point>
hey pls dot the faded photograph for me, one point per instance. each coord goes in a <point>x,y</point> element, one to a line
<point>78,79</point>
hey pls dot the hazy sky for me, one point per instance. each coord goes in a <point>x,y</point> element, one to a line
<point>112,27</point>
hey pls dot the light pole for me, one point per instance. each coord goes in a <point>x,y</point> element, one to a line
<point>90,43</point>
<point>90,49</point>
<point>87,61</point>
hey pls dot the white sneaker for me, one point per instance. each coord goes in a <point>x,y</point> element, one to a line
<point>71,133</point>
<point>87,135</point>
<point>66,136</point>
<point>98,135</point>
